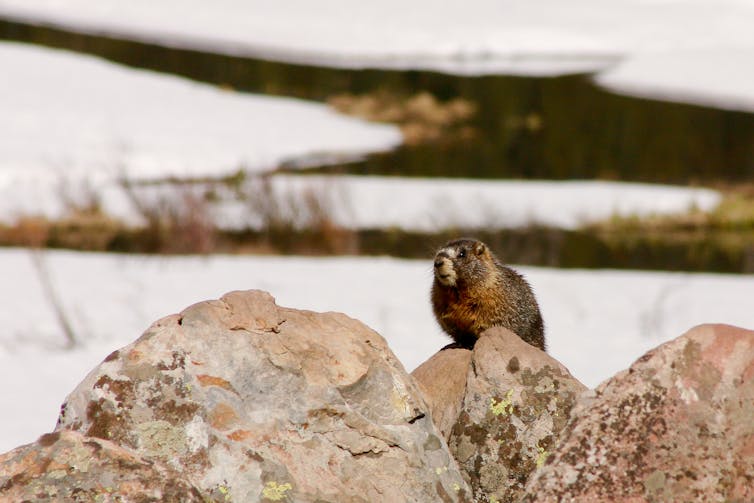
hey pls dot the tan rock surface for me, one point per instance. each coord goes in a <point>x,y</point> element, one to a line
<point>254,402</point>
<point>442,379</point>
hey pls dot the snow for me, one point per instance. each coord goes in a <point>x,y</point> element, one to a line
<point>472,36</point>
<point>73,125</point>
<point>436,204</point>
<point>708,41</point>
<point>598,322</point>
<point>715,78</point>
<point>374,202</point>
<point>79,116</point>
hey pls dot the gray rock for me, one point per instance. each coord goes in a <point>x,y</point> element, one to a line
<point>678,425</point>
<point>254,402</point>
<point>506,410</point>
<point>68,466</point>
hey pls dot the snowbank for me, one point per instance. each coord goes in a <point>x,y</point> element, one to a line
<point>720,78</point>
<point>73,116</point>
<point>598,322</point>
<point>478,36</point>
<point>374,202</point>
<point>430,205</point>
<point>542,37</point>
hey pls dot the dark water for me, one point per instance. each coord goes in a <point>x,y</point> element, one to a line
<point>552,128</point>
<point>583,249</point>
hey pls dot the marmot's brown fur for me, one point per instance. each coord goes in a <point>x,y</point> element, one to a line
<point>472,291</point>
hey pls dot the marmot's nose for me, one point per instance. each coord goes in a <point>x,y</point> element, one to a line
<point>438,262</point>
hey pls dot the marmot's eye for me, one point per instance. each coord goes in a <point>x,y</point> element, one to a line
<point>462,253</point>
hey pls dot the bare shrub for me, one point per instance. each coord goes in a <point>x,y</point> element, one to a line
<point>297,216</point>
<point>177,218</point>
<point>333,237</point>
<point>79,196</point>
<point>288,214</point>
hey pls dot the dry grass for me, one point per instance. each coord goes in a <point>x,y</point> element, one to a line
<point>721,239</point>
<point>296,220</point>
<point>421,117</point>
<point>735,212</point>
<point>181,217</point>
<point>176,221</point>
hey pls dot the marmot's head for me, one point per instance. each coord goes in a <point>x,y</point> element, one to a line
<point>461,262</point>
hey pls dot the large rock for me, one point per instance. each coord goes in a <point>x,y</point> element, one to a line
<point>507,414</point>
<point>67,466</point>
<point>442,379</point>
<point>676,426</point>
<point>254,402</point>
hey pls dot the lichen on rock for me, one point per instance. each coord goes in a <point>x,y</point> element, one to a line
<point>507,413</point>
<point>69,466</point>
<point>676,426</point>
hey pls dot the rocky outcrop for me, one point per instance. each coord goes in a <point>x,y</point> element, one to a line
<point>68,466</point>
<point>242,400</point>
<point>507,402</point>
<point>249,401</point>
<point>676,426</point>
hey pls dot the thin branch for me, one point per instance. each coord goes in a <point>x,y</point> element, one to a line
<point>38,259</point>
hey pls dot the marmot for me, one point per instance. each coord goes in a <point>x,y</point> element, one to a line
<point>473,291</point>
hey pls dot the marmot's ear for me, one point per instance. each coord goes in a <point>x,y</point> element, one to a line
<point>479,248</point>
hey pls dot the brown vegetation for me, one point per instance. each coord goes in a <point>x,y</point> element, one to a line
<point>298,218</point>
<point>182,217</point>
<point>421,117</point>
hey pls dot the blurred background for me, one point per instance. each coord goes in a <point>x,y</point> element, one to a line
<point>154,154</point>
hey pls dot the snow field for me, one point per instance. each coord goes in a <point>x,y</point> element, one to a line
<point>597,322</point>
<point>71,116</point>
<point>74,125</point>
